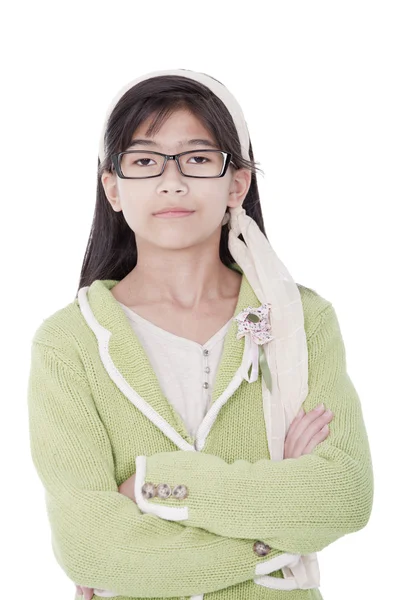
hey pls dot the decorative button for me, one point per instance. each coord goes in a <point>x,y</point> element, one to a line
<point>205,385</point>
<point>205,352</point>
<point>260,548</point>
<point>149,490</point>
<point>180,492</point>
<point>207,369</point>
<point>163,490</point>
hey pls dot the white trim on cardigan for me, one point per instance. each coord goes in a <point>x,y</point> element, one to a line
<point>294,566</point>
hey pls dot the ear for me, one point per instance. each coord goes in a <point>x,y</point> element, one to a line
<point>240,184</point>
<point>109,181</point>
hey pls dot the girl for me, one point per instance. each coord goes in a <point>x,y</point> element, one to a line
<point>177,404</point>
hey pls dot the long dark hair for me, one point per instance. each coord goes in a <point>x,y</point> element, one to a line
<point>111,252</point>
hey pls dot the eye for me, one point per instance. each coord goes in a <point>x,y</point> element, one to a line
<point>201,158</point>
<point>141,160</point>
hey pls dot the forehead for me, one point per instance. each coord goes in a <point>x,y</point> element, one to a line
<point>179,130</point>
<point>178,125</point>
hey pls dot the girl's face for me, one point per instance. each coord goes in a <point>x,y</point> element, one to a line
<point>139,199</point>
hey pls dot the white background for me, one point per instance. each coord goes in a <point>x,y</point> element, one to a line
<point>319,86</point>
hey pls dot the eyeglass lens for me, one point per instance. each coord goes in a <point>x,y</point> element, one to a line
<point>139,163</point>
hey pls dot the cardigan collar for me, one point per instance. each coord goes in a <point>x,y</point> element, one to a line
<point>126,360</point>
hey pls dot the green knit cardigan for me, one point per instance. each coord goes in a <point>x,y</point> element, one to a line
<point>97,411</point>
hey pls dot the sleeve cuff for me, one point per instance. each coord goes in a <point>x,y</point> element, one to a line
<point>153,504</point>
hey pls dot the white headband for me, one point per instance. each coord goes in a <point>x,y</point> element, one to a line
<point>284,360</point>
<point>216,87</point>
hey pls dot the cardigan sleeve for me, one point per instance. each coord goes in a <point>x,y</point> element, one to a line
<point>100,538</point>
<point>299,505</point>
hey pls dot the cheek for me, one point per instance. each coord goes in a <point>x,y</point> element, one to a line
<point>214,206</point>
<point>133,204</point>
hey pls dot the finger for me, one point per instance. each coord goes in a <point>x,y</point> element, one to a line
<point>302,430</point>
<point>297,432</point>
<point>297,419</point>
<point>316,425</point>
<point>292,427</point>
<point>301,437</point>
<point>314,419</point>
<point>303,419</point>
<point>79,590</point>
<point>300,414</point>
<point>317,439</point>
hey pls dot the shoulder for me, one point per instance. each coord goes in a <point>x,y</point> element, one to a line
<point>63,333</point>
<point>316,309</point>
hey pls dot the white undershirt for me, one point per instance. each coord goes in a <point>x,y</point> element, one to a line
<point>181,366</point>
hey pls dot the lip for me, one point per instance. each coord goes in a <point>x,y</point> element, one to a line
<point>174,214</point>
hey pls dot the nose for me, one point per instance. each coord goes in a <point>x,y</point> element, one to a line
<point>172,179</point>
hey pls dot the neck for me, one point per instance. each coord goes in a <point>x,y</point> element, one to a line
<point>183,279</point>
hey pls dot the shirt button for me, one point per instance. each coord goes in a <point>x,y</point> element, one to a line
<point>149,490</point>
<point>207,369</point>
<point>260,548</point>
<point>205,352</point>
<point>205,385</point>
<point>180,492</point>
<point>163,490</point>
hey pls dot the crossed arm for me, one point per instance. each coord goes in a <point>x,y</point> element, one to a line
<point>100,538</point>
<point>296,505</point>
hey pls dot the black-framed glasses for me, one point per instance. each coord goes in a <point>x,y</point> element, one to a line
<point>142,164</point>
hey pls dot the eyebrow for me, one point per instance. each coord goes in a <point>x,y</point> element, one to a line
<point>193,142</point>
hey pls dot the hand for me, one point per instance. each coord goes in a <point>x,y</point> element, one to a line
<point>127,488</point>
<point>306,431</point>
<point>87,592</point>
